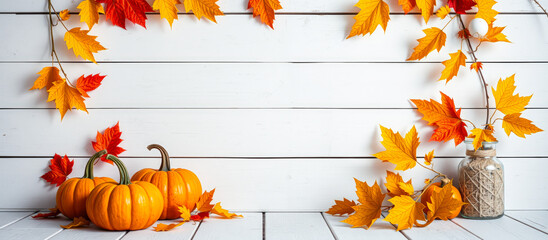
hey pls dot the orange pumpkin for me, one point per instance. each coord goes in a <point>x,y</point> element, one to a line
<point>437,187</point>
<point>179,187</point>
<point>124,206</point>
<point>73,193</point>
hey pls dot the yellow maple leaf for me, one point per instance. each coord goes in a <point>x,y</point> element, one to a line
<point>48,75</point>
<point>494,34</point>
<point>476,66</point>
<point>76,222</point>
<point>217,209</point>
<point>66,97</point>
<point>407,5</point>
<point>265,9</point>
<point>434,39</point>
<point>505,100</point>
<point>513,123</point>
<point>452,65</point>
<point>204,203</point>
<point>442,204</point>
<point>481,135</point>
<point>371,199</point>
<point>485,10</point>
<point>166,227</point>
<point>396,186</point>
<point>443,11</point>
<point>399,151</point>
<point>426,7</point>
<point>185,213</point>
<point>167,9</point>
<point>64,15</point>
<point>429,157</point>
<point>342,207</point>
<point>372,14</point>
<point>200,8</point>
<point>82,44</point>
<point>89,12</point>
<point>405,212</point>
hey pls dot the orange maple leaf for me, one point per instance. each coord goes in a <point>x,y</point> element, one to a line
<point>513,123</point>
<point>443,12</point>
<point>396,186</point>
<point>48,76</point>
<point>64,15</point>
<point>185,213</point>
<point>265,9</point>
<point>434,39</point>
<point>482,135</point>
<point>399,151</point>
<point>405,212</point>
<point>485,10</point>
<point>494,34</point>
<point>442,204</point>
<point>342,207</point>
<point>53,212</point>
<point>217,209</point>
<point>66,97</point>
<point>82,44</point>
<point>89,83</point>
<point>407,5</point>
<point>166,227</point>
<point>444,116</point>
<point>76,222</point>
<point>426,7</point>
<point>505,100</point>
<point>429,157</point>
<point>452,65</point>
<point>476,66</point>
<point>109,140</point>
<point>372,14</point>
<point>203,8</point>
<point>60,168</point>
<point>89,12</point>
<point>167,9</point>
<point>369,211</point>
<point>204,203</point>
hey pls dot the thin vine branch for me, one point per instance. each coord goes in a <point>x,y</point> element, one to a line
<point>540,6</point>
<point>52,40</point>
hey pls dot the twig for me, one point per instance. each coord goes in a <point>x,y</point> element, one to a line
<point>540,6</point>
<point>53,52</point>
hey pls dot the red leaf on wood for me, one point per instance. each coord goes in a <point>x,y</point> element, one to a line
<point>120,10</point>
<point>60,168</point>
<point>53,212</point>
<point>460,6</point>
<point>200,216</point>
<point>109,140</point>
<point>89,83</point>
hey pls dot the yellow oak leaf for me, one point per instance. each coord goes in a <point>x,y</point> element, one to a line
<point>200,8</point>
<point>265,9</point>
<point>166,227</point>
<point>76,222</point>
<point>185,213</point>
<point>217,209</point>
<point>513,123</point>
<point>405,212</point>
<point>204,203</point>
<point>476,66</point>
<point>342,207</point>
<point>434,39</point>
<point>396,186</point>
<point>407,5</point>
<point>426,7</point>
<point>428,157</point>
<point>89,12</point>
<point>494,34</point>
<point>372,14</point>
<point>505,100</point>
<point>371,199</point>
<point>82,44</point>
<point>167,9</point>
<point>48,75</point>
<point>443,11</point>
<point>485,10</point>
<point>399,151</point>
<point>66,97</point>
<point>442,204</point>
<point>480,136</point>
<point>452,65</point>
<point>64,15</point>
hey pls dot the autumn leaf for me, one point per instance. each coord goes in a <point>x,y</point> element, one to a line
<point>204,203</point>
<point>200,8</point>
<point>217,209</point>
<point>60,168</point>
<point>134,10</point>
<point>265,9</point>
<point>476,66</point>
<point>428,158</point>
<point>89,83</point>
<point>427,8</point>
<point>443,11</point>
<point>434,39</point>
<point>167,9</point>
<point>76,222</point>
<point>405,212</point>
<point>48,75</point>
<point>444,116</point>
<point>463,34</point>
<point>407,5</point>
<point>185,213</point>
<point>505,100</point>
<point>342,207</point>
<point>513,123</point>
<point>494,34</point>
<point>486,11</point>
<point>109,140</point>
<point>64,15</point>
<point>460,6</point>
<point>372,14</point>
<point>166,227</point>
<point>200,216</point>
<point>53,212</point>
<point>371,199</point>
<point>396,186</point>
<point>66,97</point>
<point>442,204</point>
<point>82,44</point>
<point>89,12</point>
<point>452,65</point>
<point>481,135</point>
<point>399,151</point>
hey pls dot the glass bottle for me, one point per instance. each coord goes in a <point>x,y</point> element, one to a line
<point>481,182</point>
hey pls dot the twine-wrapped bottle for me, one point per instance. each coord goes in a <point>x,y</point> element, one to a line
<point>481,180</point>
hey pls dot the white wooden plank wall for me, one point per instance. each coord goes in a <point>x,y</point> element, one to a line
<point>275,120</point>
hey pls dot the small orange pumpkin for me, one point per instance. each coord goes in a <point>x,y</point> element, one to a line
<point>437,187</point>
<point>73,193</point>
<point>124,206</point>
<point>179,187</point>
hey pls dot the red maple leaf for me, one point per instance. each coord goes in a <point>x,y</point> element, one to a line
<point>120,10</point>
<point>53,212</point>
<point>109,140</point>
<point>89,83</point>
<point>199,216</point>
<point>60,168</point>
<point>460,6</point>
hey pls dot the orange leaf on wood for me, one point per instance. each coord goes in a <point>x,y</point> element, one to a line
<point>53,212</point>
<point>265,9</point>
<point>443,11</point>
<point>460,6</point>
<point>342,207</point>
<point>201,8</point>
<point>133,10</point>
<point>513,123</point>
<point>372,14</point>
<point>66,97</point>
<point>476,66</point>
<point>109,140</point>
<point>89,12</point>
<point>217,209</point>
<point>48,76</point>
<point>166,227</point>
<point>429,157</point>
<point>185,213</point>
<point>494,34</point>
<point>407,5</point>
<point>167,9</point>
<point>427,8</point>
<point>481,135</point>
<point>443,204</point>
<point>434,39</point>
<point>399,151</point>
<point>76,222</point>
<point>60,168</point>
<point>405,212</point>
<point>396,186</point>
<point>64,15</point>
<point>505,100</point>
<point>369,210</point>
<point>486,11</point>
<point>452,65</point>
<point>89,83</point>
<point>204,203</point>
<point>82,44</point>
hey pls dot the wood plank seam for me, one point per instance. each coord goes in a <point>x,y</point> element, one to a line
<point>17,220</point>
<point>525,224</point>
<point>53,235</point>
<point>329,226</point>
<point>196,229</point>
<point>466,229</point>
<point>383,214</point>
<point>263,224</point>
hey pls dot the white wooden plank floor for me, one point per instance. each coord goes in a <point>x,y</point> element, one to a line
<point>286,226</point>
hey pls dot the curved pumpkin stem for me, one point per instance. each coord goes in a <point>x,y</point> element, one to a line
<point>445,181</point>
<point>88,171</point>
<point>165,166</point>
<point>124,177</point>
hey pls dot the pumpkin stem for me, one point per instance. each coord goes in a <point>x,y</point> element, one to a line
<point>88,171</point>
<point>165,166</point>
<point>445,181</point>
<point>124,177</point>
